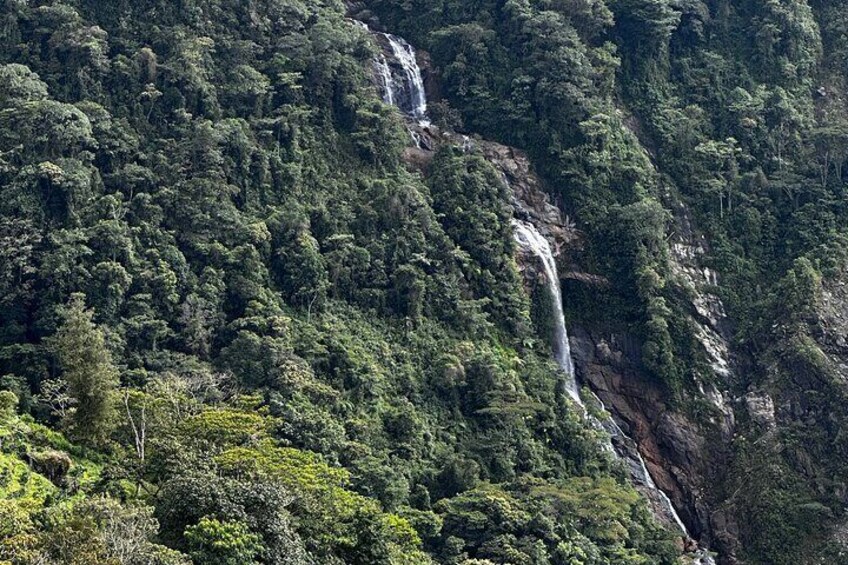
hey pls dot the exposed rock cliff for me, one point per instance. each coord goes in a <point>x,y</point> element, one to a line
<point>682,454</point>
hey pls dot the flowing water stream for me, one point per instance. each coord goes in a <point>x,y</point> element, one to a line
<point>406,87</point>
<point>528,237</point>
<point>399,76</point>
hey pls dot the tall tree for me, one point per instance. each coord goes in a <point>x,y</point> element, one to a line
<point>87,368</point>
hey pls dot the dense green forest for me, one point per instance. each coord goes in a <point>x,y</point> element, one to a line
<point>237,327</point>
<point>237,330</point>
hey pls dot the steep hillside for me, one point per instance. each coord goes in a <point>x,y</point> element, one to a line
<point>293,282</point>
<point>699,147</point>
<point>236,328</point>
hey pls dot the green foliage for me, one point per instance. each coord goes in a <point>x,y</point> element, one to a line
<point>194,491</point>
<point>324,357</point>
<point>581,519</point>
<point>227,543</point>
<point>8,403</point>
<point>226,427</point>
<point>799,291</point>
<point>88,370</point>
<point>472,203</point>
<point>100,530</point>
<point>50,514</point>
<point>777,496</point>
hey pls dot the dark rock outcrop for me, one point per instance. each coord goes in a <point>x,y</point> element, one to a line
<point>51,463</point>
<point>682,455</point>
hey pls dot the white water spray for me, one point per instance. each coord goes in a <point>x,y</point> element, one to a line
<point>399,79</point>
<point>406,89</point>
<point>529,238</point>
<point>384,74</point>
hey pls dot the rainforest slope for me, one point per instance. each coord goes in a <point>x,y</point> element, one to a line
<point>236,328</point>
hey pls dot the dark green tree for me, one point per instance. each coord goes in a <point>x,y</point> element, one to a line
<point>87,368</point>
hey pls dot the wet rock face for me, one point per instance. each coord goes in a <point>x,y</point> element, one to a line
<point>681,455</point>
<point>530,200</point>
<point>710,323</point>
<point>685,455</point>
<point>432,84</point>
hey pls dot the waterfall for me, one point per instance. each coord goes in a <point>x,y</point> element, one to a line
<point>622,446</point>
<point>529,238</point>
<point>625,448</point>
<point>384,74</point>
<point>406,88</point>
<point>399,76</point>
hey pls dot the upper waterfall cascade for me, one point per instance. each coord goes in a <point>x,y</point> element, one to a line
<point>399,75</point>
<point>529,238</point>
<point>404,85</point>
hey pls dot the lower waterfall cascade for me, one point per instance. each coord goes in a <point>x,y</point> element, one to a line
<point>530,239</point>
